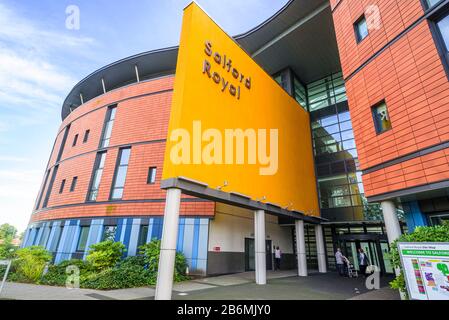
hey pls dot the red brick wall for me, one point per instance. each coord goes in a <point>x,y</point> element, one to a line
<point>410,77</point>
<point>139,119</point>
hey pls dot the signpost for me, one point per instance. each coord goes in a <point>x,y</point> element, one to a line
<point>6,263</point>
<point>426,270</point>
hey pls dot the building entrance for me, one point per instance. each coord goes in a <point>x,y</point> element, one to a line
<point>250,262</point>
<point>376,249</point>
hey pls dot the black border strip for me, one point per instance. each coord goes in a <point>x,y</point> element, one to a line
<point>410,156</point>
<point>409,191</point>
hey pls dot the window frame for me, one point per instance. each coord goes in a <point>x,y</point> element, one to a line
<point>86,135</point>
<point>93,173</point>
<point>373,114</point>
<point>107,120</point>
<point>149,182</point>
<point>62,186</point>
<point>80,237</point>
<point>73,184</point>
<point>103,238</point>
<point>426,5</point>
<point>75,140</point>
<point>116,170</point>
<point>356,29</point>
<point>440,44</point>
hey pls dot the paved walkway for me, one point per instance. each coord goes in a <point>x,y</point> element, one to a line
<point>280,285</point>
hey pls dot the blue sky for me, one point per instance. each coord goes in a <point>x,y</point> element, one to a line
<point>41,60</point>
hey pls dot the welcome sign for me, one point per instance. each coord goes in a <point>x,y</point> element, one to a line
<point>232,126</point>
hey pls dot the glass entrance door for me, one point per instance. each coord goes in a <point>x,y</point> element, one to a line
<point>376,251</point>
<point>250,261</point>
<point>369,247</point>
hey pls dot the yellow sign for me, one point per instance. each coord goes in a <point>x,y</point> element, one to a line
<point>232,126</point>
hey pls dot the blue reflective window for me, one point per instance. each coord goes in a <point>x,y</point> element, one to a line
<point>361,29</point>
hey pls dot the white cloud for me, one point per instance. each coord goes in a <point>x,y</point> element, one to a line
<point>30,77</point>
<point>19,29</point>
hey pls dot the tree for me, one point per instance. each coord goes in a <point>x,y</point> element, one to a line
<point>7,232</point>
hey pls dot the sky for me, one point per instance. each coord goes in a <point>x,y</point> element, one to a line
<point>41,60</point>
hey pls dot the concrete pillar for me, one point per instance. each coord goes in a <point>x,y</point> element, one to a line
<point>259,244</point>
<point>166,267</point>
<point>393,228</point>
<point>391,220</point>
<point>301,248</point>
<point>321,253</point>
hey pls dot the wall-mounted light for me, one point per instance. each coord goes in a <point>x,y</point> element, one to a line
<point>225,184</point>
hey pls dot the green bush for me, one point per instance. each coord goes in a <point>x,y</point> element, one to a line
<point>125,276</point>
<point>7,251</point>
<point>421,234</point>
<point>105,255</point>
<point>31,261</point>
<point>151,252</point>
<point>57,274</point>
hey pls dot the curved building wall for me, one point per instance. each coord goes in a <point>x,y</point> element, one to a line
<point>141,124</point>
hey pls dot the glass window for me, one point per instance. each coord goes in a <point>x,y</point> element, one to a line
<point>381,118</point>
<point>151,179</point>
<point>61,188</point>
<point>346,135</point>
<point>44,238</point>
<point>120,174</point>
<point>56,239</point>
<point>344,116</point>
<point>73,185</point>
<point>347,145</point>
<point>84,233</point>
<point>431,3</point>
<point>75,140</point>
<point>35,236</point>
<point>361,29</point>
<point>109,233</point>
<point>345,126</point>
<point>107,131</point>
<point>143,234</point>
<point>86,136</point>
<point>439,219</point>
<point>96,178</point>
<point>300,93</point>
<point>327,121</point>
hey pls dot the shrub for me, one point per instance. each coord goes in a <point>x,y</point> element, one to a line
<point>105,255</point>
<point>31,262</point>
<point>421,234</point>
<point>151,253</point>
<point>123,276</point>
<point>57,274</point>
<point>7,251</point>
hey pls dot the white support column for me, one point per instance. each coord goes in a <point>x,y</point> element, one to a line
<point>391,220</point>
<point>260,247</point>
<point>301,248</point>
<point>166,267</point>
<point>393,228</point>
<point>321,253</point>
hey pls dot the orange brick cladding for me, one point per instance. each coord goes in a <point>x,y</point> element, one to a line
<point>409,75</point>
<point>141,122</point>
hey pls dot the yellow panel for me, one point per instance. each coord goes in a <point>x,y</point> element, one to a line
<point>256,102</point>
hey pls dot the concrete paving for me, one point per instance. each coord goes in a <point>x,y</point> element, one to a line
<point>281,285</point>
